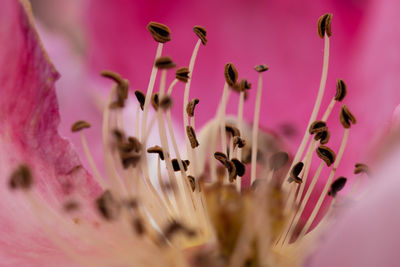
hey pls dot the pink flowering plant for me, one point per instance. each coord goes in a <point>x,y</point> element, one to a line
<point>148,186</point>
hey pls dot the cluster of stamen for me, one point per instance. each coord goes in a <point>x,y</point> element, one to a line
<point>187,205</point>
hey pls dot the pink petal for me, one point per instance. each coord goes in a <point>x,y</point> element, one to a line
<point>28,134</point>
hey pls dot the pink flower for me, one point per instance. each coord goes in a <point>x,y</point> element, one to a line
<point>51,219</point>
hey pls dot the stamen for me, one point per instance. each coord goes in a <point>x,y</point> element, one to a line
<point>260,69</point>
<point>166,103</point>
<point>182,74</point>
<point>192,136</point>
<point>240,167</point>
<point>324,25</point>
<point>361,168</point>
<point>122,88</point>
<point>231,74</point>
<point>326,154</point>
<point>239,142</point>
<point>192,182</point>
<point>21,178</point>
<point>323,137</point>
<point>155,101</point>
<point>160,32</point>
<point>295,172</point>
<point>201,33</point>
<point>191,106</point>
<point>156,150</point>
<point>336,186</point>
<point>317,126</point>
<point>232,130</point>
<point>80,125</point>
<point>165,63</point>
<point>107,206</point>
<point>140,98</point>
<point>176,166</point>
<point>346,117</point>
<point>341,90</point>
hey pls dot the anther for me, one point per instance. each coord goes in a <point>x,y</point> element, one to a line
<point>175,165</point>
<point>231,74</point>
<point>191,106</point>
<point>107,206</point>
<point>346,117</point>
<point>192,182</point>
<point>131,159</point>
<point>232,130</point>
<point>140,96</point>
<point>231,167</point>
<point>239,142</point>
<point>160,32</point>
<point>164,63</point>
<point>157,150</point>
<point>244,85</point>
<point>166,102</point>
<point>192,136</point>
<point>336,186</point>
<point>261,68</point>
<point>317,126</point>
<point>324,25</point>
<point>361,168</point>
<point>182,74</point>
<point>240,167</point>
<point>323,137</point>
<point>295,172</point>
<point>122,89</point>
<point>201,33</point>
<point>21,178</point>
<point>155,101</point>
<point>341,90</point>
<point>278,160</point>
<point>326,154</point>
<point>221,157</point>
<point>79,125</point>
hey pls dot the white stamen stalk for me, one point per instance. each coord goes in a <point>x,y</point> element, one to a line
<point>327,185</point>
<point>255,130</point>
<point>92,164</point>
<point>317,105</point>
<point>150,93</point>
<point>329,110</point>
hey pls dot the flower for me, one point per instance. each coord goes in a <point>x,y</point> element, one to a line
<point>132,220</point>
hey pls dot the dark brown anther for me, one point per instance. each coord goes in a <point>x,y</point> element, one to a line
<point>182,74</point>
<point>140,98</point>
<point>118,135</point>
<point>324,25</point>
<point>21,178</point>
<point>164,63</point>
<point>295,172</point>
<point>107,206</point>
<point>192,182</point>
<point>192,136</point>
<point>175,165</point>
<point>240,167</point>
<point>278,160</point>
<point>323,137</point>
<point>261,68</point>
<point>155,101</point>
<point>166,102</point>
<point>79,125</point>
<point>232,130</point>
<point>244,85</point>
<point>231,74</point>
<point>175,227</point>
<point>190,107</point>
<point>160,32</point>
<point>135,143</point>
<point>336,186</point>
<point>70,206</point>
<point>341,90</point>
<point>138,226</point>
<point>326,154</point>
<point>156,149</point>
<point>239,142</point>
<point>231,167</point>
<point>317,126</point>
<point>130,160</point>
<point>361,168</point>
<point>201,33</point>
<point>122,89</point>
<point>346,117</point>
<point>221,157</point>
